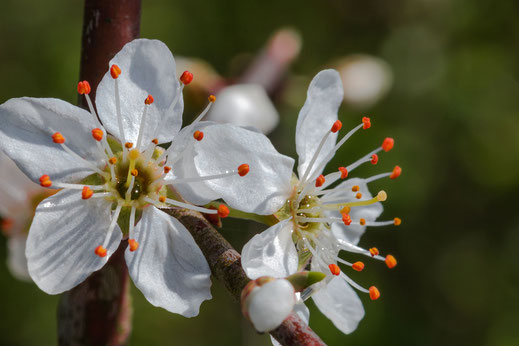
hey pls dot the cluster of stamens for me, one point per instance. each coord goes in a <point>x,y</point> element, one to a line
<point>136,175</point>
<point>312,200</point>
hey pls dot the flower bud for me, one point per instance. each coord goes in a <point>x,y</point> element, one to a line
<point>266,302</point>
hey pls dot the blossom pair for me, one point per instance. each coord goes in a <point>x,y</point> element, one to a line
<point>114,175</point>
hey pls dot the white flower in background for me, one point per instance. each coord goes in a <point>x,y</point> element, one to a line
<point>18,199</point>
<point>316,220</point>
<point>108,181</point>
<point>245,105</point>
<point>366,79</point>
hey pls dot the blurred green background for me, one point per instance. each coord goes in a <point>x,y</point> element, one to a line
<point>453,111</point>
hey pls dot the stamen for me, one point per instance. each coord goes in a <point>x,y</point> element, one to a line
<point>334,269</point>
<point>317,151</point>
<point>58,138</point>
<point>112,225</point>
<point>346,219</point>
<point>167,169</point>
<point>396,172</point>
<point>390,261</point>
<point>100,251</point>
<point>336,126</point>
<point>132,242</point>
<point>345,210</point>
<point>87,192</point>
<point>186,77</point>
<point>83,88</point>
<point>88,163</point>
<point>380,197</point>
<point>78,186</point>
<point>97,133</point>
<point>155,141</point>
<point>358,266</point>
<point>388,144</point>
<point>128,145</point>
<point>115,71</point>
<point>45,181</point>
<point>374,159</point>
<point>373,251</point>
<point>362,222</point>
<point>358,195</point>
<point>319,181</point>
<point>113,160</point>
<point>366,123</point>
<point>397,221</point>
<point>147,102</point>
<point>374,293</point>
<point>223,211</point>
<point>182,205</point>
<point>198,135</point>
<point>344,172</point>
<point>355,188</point>
<point>212,98</point>
<point>243,170</point>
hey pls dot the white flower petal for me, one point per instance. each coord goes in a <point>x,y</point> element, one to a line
<point>168,267</point>
<point>147,68</point>
<point>63,237</point>
<point>25,136</point>
<point>245,105</point>
<point>270,304</point>
<point>16,261</point>
<point>225,147</point>
<point>352,233</point>
<point>271,253</point>
<point>339,302</point>
<point>316,119</point>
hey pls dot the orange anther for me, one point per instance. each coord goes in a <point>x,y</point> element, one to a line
<point>58,138</point>
<point>115,71</point>
<point>167,169</point>
<point>373,251</point>
<point>345,210</point>
<point>346,219</point>
<point>367,123</point>
<point>374,293</point>
<point>358,266</point>
<point>100,251</point>
<point>97,134</point>
<point>128,145</point>
<point>374,159</point>
<point>223,211</point>
<point>397,221</point>
<point>243,169</point>
<point>334,268</point>
<point>45,181</point>
<point>112,160</point>
<point>134,244</point>
<point>358,195</point>
<point>134,172</point>
<point>83,87</point>
<point>344,172</point>
<point>87,192</point>
<point>149,100</point>
<point>162,199</point>
<point>388,143</point>
<point>212,98</point>
<point>186,78</point>
<point>355,188</point>
<point>362,222</point>
<point>155,141</point>
<point>336,126</point>
<point>396,172</point>
<point>319,181</point>
<point>390,261</point>
<point>198,135</point>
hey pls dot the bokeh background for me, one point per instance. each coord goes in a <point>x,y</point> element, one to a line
<point>453,109</point>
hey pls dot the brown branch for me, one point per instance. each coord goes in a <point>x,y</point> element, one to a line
<point>98,311</point>
<point>225,263</point>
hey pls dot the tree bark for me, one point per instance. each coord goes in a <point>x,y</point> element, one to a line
<point>225,263</point>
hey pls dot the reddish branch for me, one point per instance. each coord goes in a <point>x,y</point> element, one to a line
<point>98,311</point>
<point>225,264</point>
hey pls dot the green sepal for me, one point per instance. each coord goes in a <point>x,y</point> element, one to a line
<point>305,279</point>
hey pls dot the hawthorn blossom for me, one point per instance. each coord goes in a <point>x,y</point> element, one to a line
<point>316,219</point>
<point>112,186</point>
<point>19,196</point>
